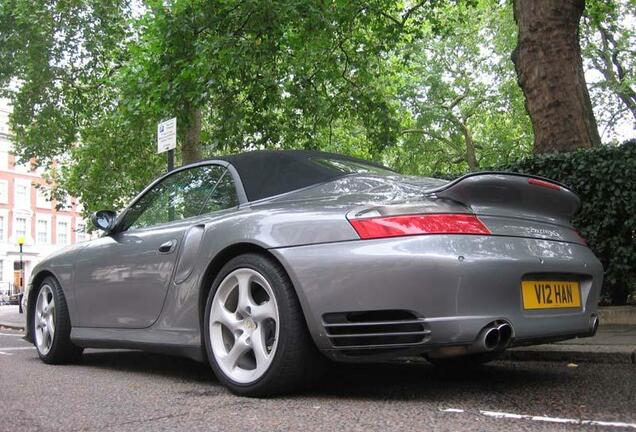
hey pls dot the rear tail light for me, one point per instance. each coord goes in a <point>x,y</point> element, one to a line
<point>407,225</point>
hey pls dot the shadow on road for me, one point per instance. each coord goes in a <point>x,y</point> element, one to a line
<point>425,381</point>
<point>369,381</point>
<point>149,363</point>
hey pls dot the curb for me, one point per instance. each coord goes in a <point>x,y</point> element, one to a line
<point>11,326</point>
<point>572,355</point>
<point>621,315</point>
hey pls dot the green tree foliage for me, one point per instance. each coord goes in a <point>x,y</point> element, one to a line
<point>60,52</point>
<point>66,58</point>
<point>421,85</point>
<point>256,73</point>
<point>609,49</point>
<point>460,90</point>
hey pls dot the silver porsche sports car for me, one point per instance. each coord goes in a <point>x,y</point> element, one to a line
<point>265,263</point>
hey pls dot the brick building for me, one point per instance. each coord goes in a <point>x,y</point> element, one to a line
<point>25,211</point>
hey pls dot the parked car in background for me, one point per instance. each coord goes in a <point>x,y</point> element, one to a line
<point>6,298</point>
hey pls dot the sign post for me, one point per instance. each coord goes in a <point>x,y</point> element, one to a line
<point>167,139</point>
<point>21,289</point>
<point>21,243</point>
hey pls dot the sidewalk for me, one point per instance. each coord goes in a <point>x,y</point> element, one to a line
<point>10,318</point>
<point>613,343</point>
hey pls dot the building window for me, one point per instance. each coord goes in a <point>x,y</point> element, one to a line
<point>42,199</point>
<point>62,233</point>
<point>80,233</point>
<point>4,122</point>
<point>4,160</point>
<point>42,231</point>
<point>4,192</point>
<point>22,198</point>
<point>65,204</point>
<point>20,227</point>
<point>1,228</point>
<point>24,167</point>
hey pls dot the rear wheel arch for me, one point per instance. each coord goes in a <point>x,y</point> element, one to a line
<point>222,258</point>
<point>297,362</point>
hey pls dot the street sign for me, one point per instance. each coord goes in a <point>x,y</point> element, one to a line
<point>167,135</point>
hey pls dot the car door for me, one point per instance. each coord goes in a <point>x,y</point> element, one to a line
<point>121,279</point>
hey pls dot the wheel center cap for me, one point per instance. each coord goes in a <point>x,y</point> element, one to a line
<point>250,324</point>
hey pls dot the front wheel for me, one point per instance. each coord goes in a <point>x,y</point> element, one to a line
<point>52,325</point>
<point>255,333</point>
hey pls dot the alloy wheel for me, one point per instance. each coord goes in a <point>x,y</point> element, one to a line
<point>44,319</point>
<point>244,325</point>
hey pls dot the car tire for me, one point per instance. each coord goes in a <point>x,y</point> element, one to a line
<point>292,359</point>
<point>469,361</point>
<point>57,349</point>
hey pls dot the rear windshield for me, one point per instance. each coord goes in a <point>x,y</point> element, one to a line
<point>269,173</point>
<point>352,167</point>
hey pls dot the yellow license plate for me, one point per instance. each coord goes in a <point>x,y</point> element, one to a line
<point>548,294</point>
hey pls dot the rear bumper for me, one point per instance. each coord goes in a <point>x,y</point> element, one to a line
<point>454,285</point>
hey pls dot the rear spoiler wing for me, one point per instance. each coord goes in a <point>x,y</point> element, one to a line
<point>513,195</point>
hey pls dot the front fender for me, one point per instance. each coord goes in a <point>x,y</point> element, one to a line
<point>60,266</point>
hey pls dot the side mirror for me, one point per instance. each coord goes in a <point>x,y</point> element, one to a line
<point>103,219</point>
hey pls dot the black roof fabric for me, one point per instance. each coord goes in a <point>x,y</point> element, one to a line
<point>268,173</point>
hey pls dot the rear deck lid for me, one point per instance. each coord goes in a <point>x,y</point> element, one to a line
<point>516,204</point>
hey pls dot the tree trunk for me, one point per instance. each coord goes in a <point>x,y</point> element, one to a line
<point>471,157</point>
<point>550,72</point>
<point>191,148</point>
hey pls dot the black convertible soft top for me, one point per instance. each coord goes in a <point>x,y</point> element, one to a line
<point>268,173</point>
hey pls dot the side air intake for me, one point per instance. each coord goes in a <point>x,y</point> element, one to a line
<point>375,329</point>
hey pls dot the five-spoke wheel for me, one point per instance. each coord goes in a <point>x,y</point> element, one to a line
<point>244,325</point>
<point>44,319</point>
<point>51,324</point>
<point>255,334</point>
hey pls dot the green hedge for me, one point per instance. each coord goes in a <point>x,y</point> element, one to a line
<point>605,180</point>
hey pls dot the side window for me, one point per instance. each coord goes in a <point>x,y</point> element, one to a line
<point>223,196</point>
<point>187,193</point>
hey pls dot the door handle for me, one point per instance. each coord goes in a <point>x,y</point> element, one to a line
<point>167,247</point>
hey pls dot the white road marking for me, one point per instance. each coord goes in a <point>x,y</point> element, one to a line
<point>497,414</point>
<point>608,423</point>
<point>505,415</point>
<point>3,349</point>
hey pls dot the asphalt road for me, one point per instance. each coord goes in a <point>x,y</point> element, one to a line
<point>133,391</point>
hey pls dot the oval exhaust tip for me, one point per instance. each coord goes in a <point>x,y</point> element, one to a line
<point>491,338</point>
<point>594,322</point>
<point>505,334</point>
